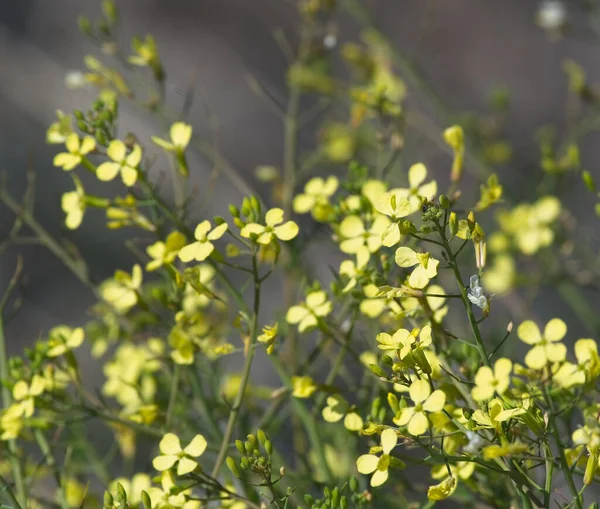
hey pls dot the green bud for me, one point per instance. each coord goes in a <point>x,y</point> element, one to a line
<point>108,500</point>
<point>233,467</point>
<point>252,439</point>
<point>269,447</point>
<point>246,206</point>
<point>588,180</point>
<point>240,446</point>
<point>244,463</point>
<point>262,437</point>
<point>85,25</point>
<point>234,211</point>
<point>444,201</point>
<point>146,500</point>
<point>377,370</point>
<point>309,499</point>
<point>238,222</point>
<point>335,497</point>
<point>387,360</point>
<point>249,447</point>
<point>393,402</point>
<point>78,114</point>
<point>121,493</point>
<point>100,137</point>
<point>425,229</point>
<point>590,468</point>
<point>82,126</point>
<point>453,224</point>
<point>110,11</point>
<point>255,204</point>
<point>326,492</point>
<point>218,220</point>
<point>344,503</point>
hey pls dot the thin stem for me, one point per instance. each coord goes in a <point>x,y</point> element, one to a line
<point>463,292</point>
<point>561,452</point>
<point>6,395</point>
<point>51,462</point>
<point>239,398</point>
<point>5,488</point>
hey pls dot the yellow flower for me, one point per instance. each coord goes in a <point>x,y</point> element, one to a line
<point>530,224</point>
<point>405,341</point>
<point>496,414</point>
<point>356,236</point>
<point>133,488</point>
<point>24,394</point>
<point>11,422</point>
<point>378,465</point>
<point>315,198</point>
<point>203,247</point>
<point>426,266</point>
<point>353,271</point>
<point>64,339</point>
<point>588,364</point>
<point>303,387</point>
<point>77,149</point>
<point>146,52</point>
<point>167,497</point>
<point>425,401</point>
<point>59,130</point>
<point>307,314</point>
<point>488,382</point>
<point>121,163</point>
<point>417,191</point>
<point>269,333</point>
<point>73,204</point>
<point>173,454</point>
<point>273,228</point>
<point>180,134</point>
<point>75,492</point>
<point>455,137</point>
<point>545,348</point>
<point>394,206</point>
<point>338,408</point>
<point>442,490</point>
<point>163,253</point>
<point>122,291</point>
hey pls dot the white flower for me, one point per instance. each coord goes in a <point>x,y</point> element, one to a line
<point>476,295</point>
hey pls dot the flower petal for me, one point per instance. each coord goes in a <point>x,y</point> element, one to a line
<point>435,402</point>
<point>287,231</point>
<point>129,175</point>
<point>274,216</point>
<point>117,150</point>
<point>162,463</point>
<point>181,134</point>
<point>217,232</point>
<point>417,174</point>
<point>419,391</point>
<point>555,330</point>
<point>389,439</point>
<point>406,257</point>
<point>87,145</point>
<point>379,477</point>
<point>196,447</point>
<point>419,424</point>
<point>202,230</point>
<point>107,171</point>
<point>170,444</point>
<point>296,314</point>
<point>529,332</point>
<point>367,463</point>
<point>185,466</point>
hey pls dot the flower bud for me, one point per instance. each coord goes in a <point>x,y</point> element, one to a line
<point>146,500</point>
<point>233,467</point>
<point>453,224</point>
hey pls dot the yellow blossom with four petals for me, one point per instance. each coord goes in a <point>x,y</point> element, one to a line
<point>173,454</point>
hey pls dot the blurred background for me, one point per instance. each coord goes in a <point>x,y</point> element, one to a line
<point>462,48</point>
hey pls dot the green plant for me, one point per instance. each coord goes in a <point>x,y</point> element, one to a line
<point>407,369</point>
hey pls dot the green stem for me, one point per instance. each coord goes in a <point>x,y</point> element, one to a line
<point>561,452</point>
<point>237,403</point>
<point>463,293</point>
<point>46,239</point>
<point>7,491</point>
<point>549,474</point>
<point>6,401</point>
<point>51,462</point>
<point>173,394</point>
